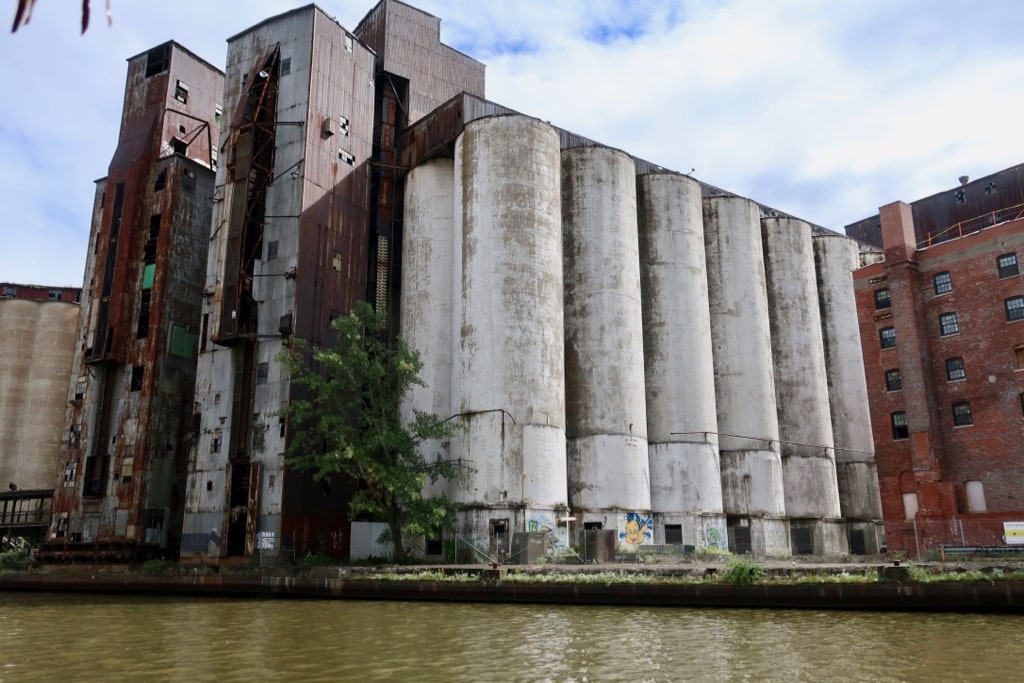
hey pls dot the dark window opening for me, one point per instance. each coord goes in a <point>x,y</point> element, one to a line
<point>962,414</point>
<point>943,282</point>
<point>1007,264</point>
<point>1022,403</point>
<point>803,540</point>
<point>1014,308</point>
<point>262,372</point>
<point>899,425</point>
<point>286,66</point>
<point>673,534</point>
<point>887,337</point>
<point>138,374</point>
<point>893,380</point>
<point>955,368</point>
<point>96,468</point>
<point>271,250</point>
<point>882,299</point>
<point>161,180</point>
<point>948,324</point>
<point>188,182</point>
<point>157,60</point>
<point>204,333</point>
<point>179,146</point>
<point>142,329</point>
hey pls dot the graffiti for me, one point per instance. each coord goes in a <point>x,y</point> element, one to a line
<point>544,522</point>
<point>337,538</point>
<point>714,538</point>
<point>635,529</point>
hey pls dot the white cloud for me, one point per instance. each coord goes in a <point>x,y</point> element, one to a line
<point>824,109</point>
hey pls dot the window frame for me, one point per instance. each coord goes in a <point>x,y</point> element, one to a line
<point>942,285</point>
<point>949,324</point>
<point>883,299</point>
<point>887,337</point>
<point>1009,269</point>
<point>893,379</point>
<point>962,414</point>
<point>953,372</point>
<point>1016,312</point>
<point>900,427</point>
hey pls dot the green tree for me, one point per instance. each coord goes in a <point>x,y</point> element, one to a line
<point>350,422</point>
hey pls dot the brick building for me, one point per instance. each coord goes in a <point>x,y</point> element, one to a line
<point>942,326</point>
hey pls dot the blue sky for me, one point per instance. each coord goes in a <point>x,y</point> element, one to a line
<point>825,109</point>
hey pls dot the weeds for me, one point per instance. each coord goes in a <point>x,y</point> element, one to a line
<point>744,573</point>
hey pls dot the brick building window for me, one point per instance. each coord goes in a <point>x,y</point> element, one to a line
<point>882,299</point>
<point>1018,357</point>
<point>943,282</point>
<point>955,369</point>
<point>948,324</point>
<point>962,414</point>
<point>893,380</point>
<point>1007,264</point>
<point>1022,403</point>
<point>887,337</point>
<point>899,425</point>
<point>1014,308</point>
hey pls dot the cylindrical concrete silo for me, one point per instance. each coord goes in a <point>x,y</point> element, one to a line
<point>682,421</point>
<point>509,371</point>
<point>426,308</point>
<point>752,490</point>
<point>836,257</point>
<point>606,415</point>
<point>801,389</point>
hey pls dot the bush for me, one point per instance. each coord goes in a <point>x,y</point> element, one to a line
<point>743,573</point>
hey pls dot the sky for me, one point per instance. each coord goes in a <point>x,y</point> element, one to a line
<point>824,109</point>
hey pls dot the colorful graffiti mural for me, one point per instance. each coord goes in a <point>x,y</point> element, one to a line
<point>635,530</point>
<point>542,521</point>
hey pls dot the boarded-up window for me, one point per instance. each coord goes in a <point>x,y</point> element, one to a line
<point>183,342</point>
<point>148,275</point>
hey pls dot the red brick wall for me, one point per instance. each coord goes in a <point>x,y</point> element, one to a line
<point>940,458</point>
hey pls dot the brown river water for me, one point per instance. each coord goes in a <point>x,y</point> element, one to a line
<point>61,637</point>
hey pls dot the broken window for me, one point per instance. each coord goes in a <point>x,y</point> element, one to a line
<point>75,436</point>
<point>179,146</point>
<point>336,261</point>
<point>181,92</point>
<point>126,469</point>
<point>218,114</point>
<point>54,295</point>
<point>286,66</point>
<point>157,60</point>
<point>138,375</point>
<point>215,441</point>
<point>271,250</point>
<point>69,473</point>
<point>80,388</point>
<point>347,157</point>
<point>96,467</point>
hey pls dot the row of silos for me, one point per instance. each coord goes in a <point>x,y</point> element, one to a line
<point>618,351</point>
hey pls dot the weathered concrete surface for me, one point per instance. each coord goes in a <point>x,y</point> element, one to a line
<point>509,373</point>
<point>427,285</point>
<point>606,415</point>
<point>752,481</point>
<point>801,387</point>
<point>38,341</point>
<point>836,258</point>
<point>682,421</point>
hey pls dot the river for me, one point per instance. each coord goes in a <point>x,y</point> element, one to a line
<point>61,637</point>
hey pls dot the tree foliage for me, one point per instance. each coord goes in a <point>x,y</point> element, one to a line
<point>350,423</point>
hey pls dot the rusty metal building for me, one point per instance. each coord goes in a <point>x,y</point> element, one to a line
<point>305,224</point>
<point>120,490</point>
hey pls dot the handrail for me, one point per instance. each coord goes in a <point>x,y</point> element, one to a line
<point>976,224</point>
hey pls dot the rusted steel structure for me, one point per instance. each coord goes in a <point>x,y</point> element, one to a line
<point>306,219</point>
<point>129,402</point>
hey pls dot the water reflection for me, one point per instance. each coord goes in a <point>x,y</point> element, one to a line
<point>58,637</point>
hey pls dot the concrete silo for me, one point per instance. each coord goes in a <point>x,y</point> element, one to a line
<point>682,423</point>
<point>835,259</point>
<point>509,370</point>
<point>752,488</point>
<point>426,300</point>
<point>801,389</point>
<point>606,417</point>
